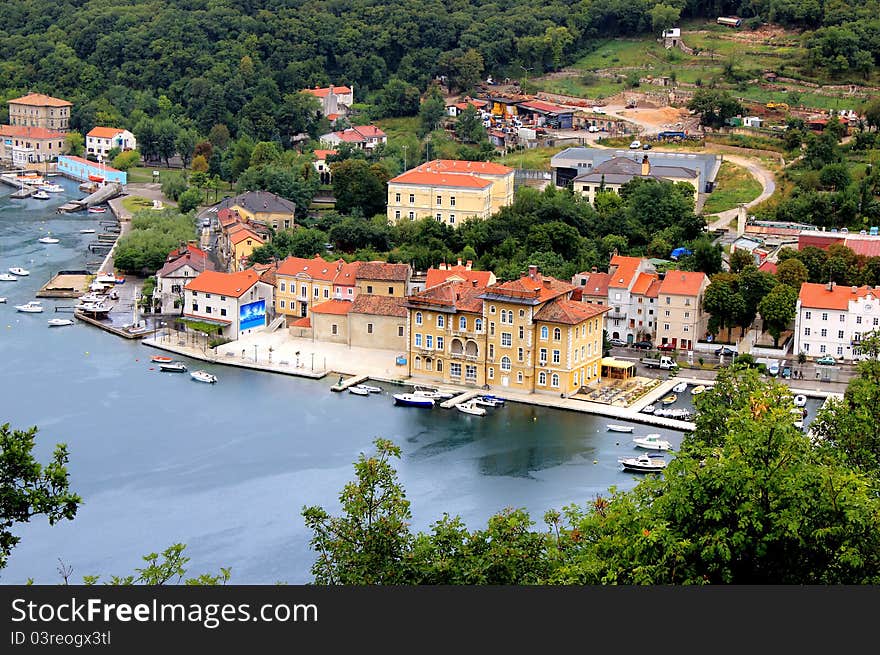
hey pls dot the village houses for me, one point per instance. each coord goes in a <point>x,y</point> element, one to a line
<point>236,303</point>
<point>182,265</point>
<point>101,140</point>
<point>364,137</point>
<point>40,110</point>
<point>335,101</point>
<point>831,319</point>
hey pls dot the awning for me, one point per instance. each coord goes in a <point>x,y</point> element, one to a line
<point>616,363</point>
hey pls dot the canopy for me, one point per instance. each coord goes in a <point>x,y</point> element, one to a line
<point>615,368</point>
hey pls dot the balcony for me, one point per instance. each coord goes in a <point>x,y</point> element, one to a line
<point>463,334</point>
<point>616,316</point>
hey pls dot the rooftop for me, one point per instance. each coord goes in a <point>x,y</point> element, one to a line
<point>259,202</point>
<point>623,270</point>
<point>316,268</point>
<point>833,296</point>
<point>334,307</point>
<point>383,271</point>
<point>105,132</point>
<point>569,312</point>
<point>28,132</point>
<point>367,303</point>
<point>683,283</point>
<point>224,284</point>
<point>40,100</point>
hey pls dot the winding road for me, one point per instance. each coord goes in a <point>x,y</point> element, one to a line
<point>763,175</point>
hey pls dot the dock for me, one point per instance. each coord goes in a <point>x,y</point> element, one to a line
<point>350,382</point>
<point>102,195</point>
<point>120,332</point>
<point>66,284</point>
<point>461,398</point>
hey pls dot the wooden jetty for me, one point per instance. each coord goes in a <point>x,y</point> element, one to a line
<point>66,284</point>
<point>345,384</point>
<point>461,398</point>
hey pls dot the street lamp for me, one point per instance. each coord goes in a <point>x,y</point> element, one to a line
<point>255,353</point>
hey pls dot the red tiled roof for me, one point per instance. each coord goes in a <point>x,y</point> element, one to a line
<point>80,160</point>
<point>367,303</point>
<point>595,284</point>
<point>569,312</point>
<point>654,290</point>
<point>643,283</point>
<point>316,268</point>
<point>40,100</point>
<point>335,307</point>
<point>622,270</point>
<point>463,273</point>
<point>463,166</point>
<point>105,132</point>
<point>545,107</point>
<point>460,296</point>
<point>383,271</point>
<point>183,250</point>
<point>767,267</point>
<point>322,92</point>
<point>236,236</point>
<point>193,260</point>
<point>323,154</point>
<point>683,283</point>
<point>224,284</point>
<point>538,288</point>
<point>359,133</point>
<point>817,296</point>
<point>26,132</point>
<point>346,274</point>
<point>304,322</point>
<point>440,179</point>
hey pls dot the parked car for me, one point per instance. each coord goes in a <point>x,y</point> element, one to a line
<point>593,129</point>
<point>643,345</point>
<point>635,145</point>
<point>647,146</point>
<point>725,350</point>
<point>617,343</point>
<point>827,360</point>
<point>773,369</point>
<point>666,346</point>
<point>786,372</point>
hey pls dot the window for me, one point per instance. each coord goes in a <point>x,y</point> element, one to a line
<point>400,330</point>
<point>555,356</point>
<point>554,380</point>
<point>491,351</point>
<point>284,286</point>
<point>452,201</point>
<point>506,339</point>
<point>824,332</point>
<point>542,378</point>
<point>429,341</point>
<point>470,373</point>
<point>208,309</point>
<point>439,343</point>
<point>840,334</point>
<point>412,216</point>
<point>806,347</point>
<point>519,377</point>
<point>667,300</point>
<point>455,370</point>
<point>222,311</point>
<point>333,329</point>
<point>839,350</point>
<point>875,322</point>
<point>824,316</point>
<point>858,320</point>
<point>303,293</point>
<point>369,328</point>
<point>438,216</point>
<point>687,314</point>
<point>686,328</point>
<point>842,318</point>
<point>806,331</point>
<point>369,288</point>
<point>521,332</point>
<point>195,307</point>
<point>451,219</point>
<point>510,317</point>
<point>439,364</point>
<point>282,304</point>
<point>542,355</point>
<point>666,326</point>
<point>687,302</point>
<point>418,340</point>
<point>462,323</point>
<point>491,373</point>
<point>397,215</point>
<point>439,201</point>
<point>491,328</point>
<point>478,325</point>
<point>326,293</point>
<point>412,198</point>
<point>557,334</point>
<point>668,313</point>
<point>440,321</point>
<point>522,313</point>
<point>822,348</point>
<point>545,332</point>
<point>491,309</point>
<point>808,315</point>
<point>503,316</point>
<point>418,318</point>
<point>519,354</point>
<point>505,363</point>
<point>317,291</point>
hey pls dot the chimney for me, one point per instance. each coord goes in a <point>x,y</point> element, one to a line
<point>533,271</point>
<point>594,270</point>
<point>474,283</point>
<point>854,289</point>
<point>646,166</point>
<point>459,261</point>
<point>829,286</point>
<point>546,283</point>
<point>468,264</point>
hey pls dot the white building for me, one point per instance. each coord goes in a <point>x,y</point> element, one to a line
<point>237,303</point>
<point>831,319</point>
<point>181,266</point>
<point>622,321</point>
<point>101,140</point>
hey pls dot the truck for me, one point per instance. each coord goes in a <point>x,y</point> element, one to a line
<point>656,360</point>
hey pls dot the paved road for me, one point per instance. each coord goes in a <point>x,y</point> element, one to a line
<point>763,175</point>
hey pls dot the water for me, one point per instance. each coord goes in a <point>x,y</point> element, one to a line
<point>227,468</point>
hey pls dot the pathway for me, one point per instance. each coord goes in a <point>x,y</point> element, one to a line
<point>768,186</point>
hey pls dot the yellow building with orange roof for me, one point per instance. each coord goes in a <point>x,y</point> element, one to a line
<point>681,320</point>
<point>40,110</point>
<point>302,283</point>
<point>242,241</point>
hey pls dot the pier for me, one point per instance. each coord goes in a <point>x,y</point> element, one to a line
<point>342,385</point>
<point>102,195</point>
<point>460,398</point>
<point>66,284</point>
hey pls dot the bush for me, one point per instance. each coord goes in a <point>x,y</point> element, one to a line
<point>189,200</point>
<point>219,341</point>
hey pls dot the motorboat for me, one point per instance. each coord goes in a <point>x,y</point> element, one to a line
<point>203,376</point>
<point>649,409</point>
<point>2,299</point>
<point>97,210</point>
<point>368,388</point>
<point>49,240</point>
<point>59,322</point>
<point>680,387</point>
<point>614,427</point>
<point>498,400</point>
<point>18,270</point>
<point>642,464</point>
<point>105,278</point>
<point>7,277</point>
<point>697,390</point>
<point>91,296</point>
<point>412,400</point>
<point>428,392</point>
<point>800,400</point>
<point>40,195</point>
<point>173,367</point>
<point>358,391</point>
<point>87,230</point>
<point>51,187</point>
<point>94,177</point>
<point>652,442</point>
<point>161,359</point>
<point>487,401</point>
<point>470,407</point>
<point>93,308</point>
<point>32,307</point>
<point>668,400</point>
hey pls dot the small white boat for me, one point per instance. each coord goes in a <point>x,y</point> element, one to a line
<point>680,387</point>
<point>59,322</point>
<point>173,367</point>
<point>97,210</point>
<point>369,389</point>
<point>105,278</point>
<point>642,464</point>
<point>87,230</point>
<point>32,307</point>
<point>7,277</point>
<point>649,409</point>
<point>203,376</point>
<point>800,400</point>
<point>2,299</point>
<point>428,392</point>
<point>652,442</point>
<point>697,390</point>
<point>40,195</point>
<point>614,427</point>
<point>51,187</point>
<point>412,400</point>
<point>357,391</point>
<point>93,308</point>
<point>49,240</point>
<point>668,400</point>
<point>470,407</point>
<point>486,401</point>
<point>18,270</point>
<point>161,359</point>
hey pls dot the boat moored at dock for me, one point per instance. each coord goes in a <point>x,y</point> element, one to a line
<point>412,400</point>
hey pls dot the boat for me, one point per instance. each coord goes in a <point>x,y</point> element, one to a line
<point>161,359</point>
<point>49,240</point>
<point>412,400</point>
<point>32,307</point>
<point>51,187</point>
<point>7,277</point>
<point>368,388</point>
<point>649,409</point>
<point>357,391</point>
<point>87,230</point>
<point>203,376</point>
<point>173,367</point>
<point>642,464</point>
<point>697,390</point>
<point>105,278</point>
<point>95,178</point>
<point>97,210</point>
<point>470,407</point>
<point>652,442</point>
<point>40,195</point>
<point>668,400</point>
<point>433,394</point>
<point>18,270</point>
<point>614,427</point>
<point>680,387</point>
<point>486,401</point>
<point>91,296</point>
<point>2,299</point>
<point>800,400</point>
<point>58,322</point>
<point>498,400</point>
<point>93,308</point>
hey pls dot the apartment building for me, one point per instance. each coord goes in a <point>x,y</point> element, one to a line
<point>831,319</point>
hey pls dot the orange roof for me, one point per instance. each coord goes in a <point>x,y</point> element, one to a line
<point>335,307</point>
<point>458,296</point>
<point>105,132</point>
<point>305,322</point>
<point>316,268</point>
<point>463,166</point>
<point>595,284</point>
<point>532,288</point>
<point>622,270</point>
<point>461,273</point>
<point>323,154</point>
<point>236,236</point>
<point>654,289</point>
<point>40,100</point>
<point>26,132</point>
<point>383,271</point>
<point>683,283</point>
<point>321,92</point>
<point>346,274</point>
<point>439,179</point>
<point>817,296</point>
<point>367,303</point>
<point>224,284</point>
<point>643,283</point>
<point>569,312</point>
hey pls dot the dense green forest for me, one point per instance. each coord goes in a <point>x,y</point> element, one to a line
<point>235,62</point>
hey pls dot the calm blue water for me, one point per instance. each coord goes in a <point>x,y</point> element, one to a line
<point>227,468</point>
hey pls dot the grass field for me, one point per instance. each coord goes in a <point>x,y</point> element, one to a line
<point>533,158</point>
<point>136,203</point>
<point>733,185</point>
<point>144,174</point>
<point>399,127</point>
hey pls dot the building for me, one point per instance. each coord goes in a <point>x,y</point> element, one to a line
<point>572,162</point>
<point>610,175</point>
<point>302,284</point>
<point>681,320</point>
<point>237,303</point>
<point>328,321</point>
<point>671,37</point>
<point>753,121</point>
<point>623,315</point>
<point>239,242</point>
<point>455,109</point>
<point>101,140</point>
<point>867,245</point>
<point>322,166</point>
<point>40,110</point>
<point>458,273</point>
<point>335,100</point>
<point>365,137</point>
<point>831,319</point>
<point>383,279</point>
<point>262,207</point>
<point>545,114</point>
<point>21,146</point>
<point>181,266</point>
<point>450,191</point>
<point>84,170</point>
<point>378,322</point>
<point>593,286</point>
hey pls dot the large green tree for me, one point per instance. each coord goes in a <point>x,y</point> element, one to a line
<point>357,184</point>
<point>778,309</point>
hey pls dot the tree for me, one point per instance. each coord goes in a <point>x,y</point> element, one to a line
<point>792,272</point>
<point>185,144</point>
<point>706,257</point>
<point>778,309</point>
<point>74,143</point>
<point>29,488</point>
<point>173,185</point>
<point>432,111</point>
<point>171,568</point>
<point>199,164</point>
<point>219,136</point>
<point>469,126</point>
<point>166,138</point>
<point>367,544</point>
<point>714,106</point>
<point>739,259</point>
<point>125,160</point>
<point>189,200</point>
<point>397,98</point>
<point>663,17</point>
<point>357,184</point>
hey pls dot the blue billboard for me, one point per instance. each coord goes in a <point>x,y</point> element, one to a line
<point>252,315</point>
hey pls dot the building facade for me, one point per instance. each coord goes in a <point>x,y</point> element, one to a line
<point>831,319</point>
<point>20,145</point>
<point>304,283</point>
<point>680,316</point>
<point>181,266</point>
<point>101,140</point>
<point>237,303</point>
<point>40,110</point>
<point>383,279</point>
